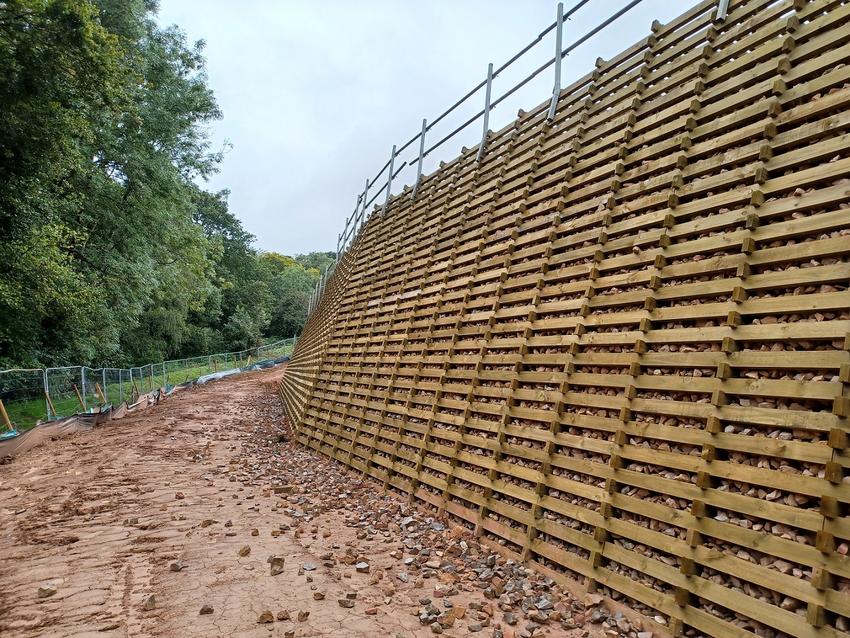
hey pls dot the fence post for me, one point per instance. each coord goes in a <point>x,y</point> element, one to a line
<point>46,392</point>
<point>351,221</point>
<point>722,10</point>
<point>421,155</point>
<point>361,218</point>
<point>83,384</point>
<point>105,391</point>
<point>486,111</point>
<point>343,236</point>
<point>389,180</point>
<point>556,91</point>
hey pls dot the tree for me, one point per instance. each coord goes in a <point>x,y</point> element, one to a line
<point>319,261</point>
<point>291,290</point>
<point>110,250</point>
<point>59,70</point>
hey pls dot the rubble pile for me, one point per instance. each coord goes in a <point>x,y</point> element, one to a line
<point>449,580</point>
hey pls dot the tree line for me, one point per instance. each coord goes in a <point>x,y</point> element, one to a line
<point>111,253</point>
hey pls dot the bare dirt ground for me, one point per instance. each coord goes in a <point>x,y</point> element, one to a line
<point>164,523</point>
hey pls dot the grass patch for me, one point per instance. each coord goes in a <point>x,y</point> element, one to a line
<point>26,413</point>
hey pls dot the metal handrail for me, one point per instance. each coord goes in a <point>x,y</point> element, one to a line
<point>358,218</point>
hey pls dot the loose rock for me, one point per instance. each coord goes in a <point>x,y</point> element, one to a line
<point>276,565</point>
<point>47,590</point>
<point>265,618</point>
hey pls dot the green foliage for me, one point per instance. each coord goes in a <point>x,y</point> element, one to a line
<point>317,261</point>
<point>110,251</point>
<point>291,289</point>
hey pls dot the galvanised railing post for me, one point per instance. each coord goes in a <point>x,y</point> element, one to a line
<point>389,180</point>
<point>487,93</point>
<point>421,156</point>
<point>362,216</point>
<point>556,91</point>
<point>343,236</point>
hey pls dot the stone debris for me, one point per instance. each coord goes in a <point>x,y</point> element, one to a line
<point>465,586</point>
<point>265,618</point>
<point>48,589</point>
<point>276,565</point>
<point>206,610</point>
<point>150,603</point>
<point>176,566</point>
<point>244,551</point>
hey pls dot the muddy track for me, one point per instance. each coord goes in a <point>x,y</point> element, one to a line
<point>130,529</point>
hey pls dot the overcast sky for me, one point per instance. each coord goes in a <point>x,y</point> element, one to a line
<point>315,94</point>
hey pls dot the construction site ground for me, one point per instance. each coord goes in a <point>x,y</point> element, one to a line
<point>200,516</point>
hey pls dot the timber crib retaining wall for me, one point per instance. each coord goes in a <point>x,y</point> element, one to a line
<point>617,346</point>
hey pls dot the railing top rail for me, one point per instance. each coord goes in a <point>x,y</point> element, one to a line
<point>359,216</point>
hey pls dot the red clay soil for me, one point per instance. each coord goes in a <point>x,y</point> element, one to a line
<point>164,523</point>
